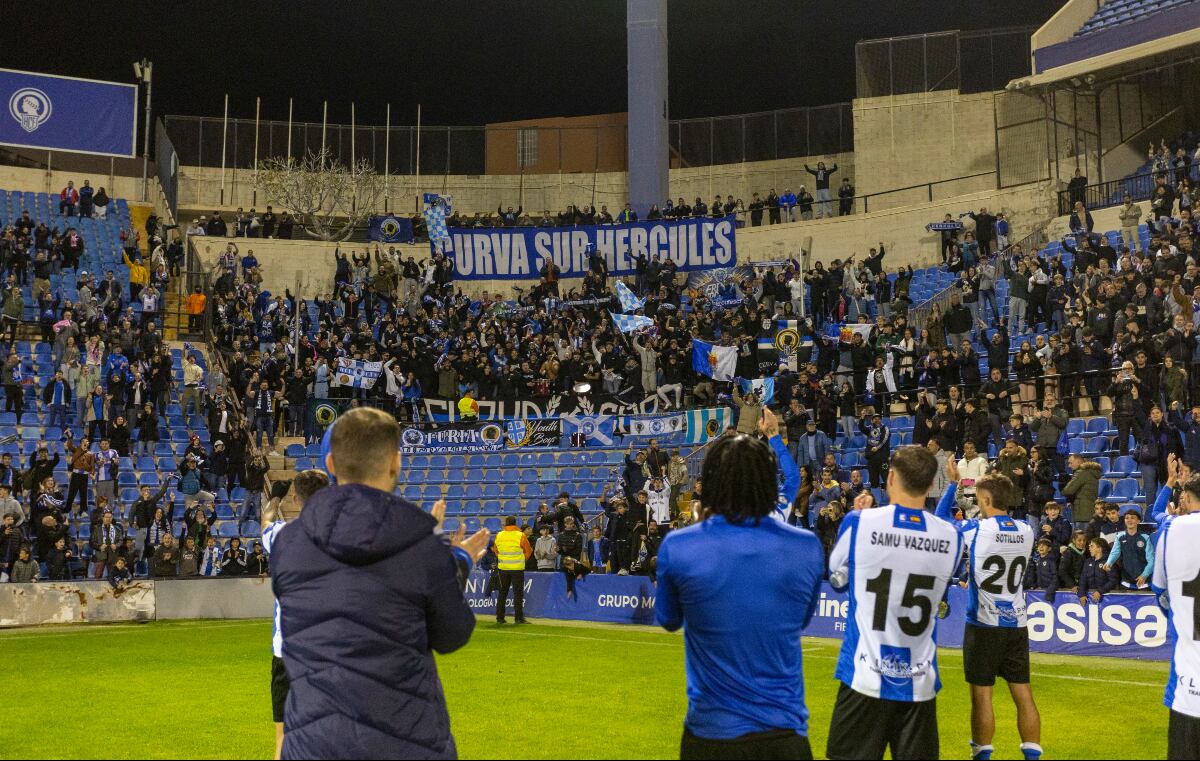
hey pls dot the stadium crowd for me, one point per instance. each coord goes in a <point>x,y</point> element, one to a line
<point>1100,328</point>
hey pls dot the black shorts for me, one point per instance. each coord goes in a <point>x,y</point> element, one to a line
<point>992,651</point>
<point>772,744</point>
<point>863,727</point>
<point>1183,736</point>
<point>279,688</point>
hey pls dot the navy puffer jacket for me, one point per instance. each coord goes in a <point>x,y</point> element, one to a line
<point>367,592</point>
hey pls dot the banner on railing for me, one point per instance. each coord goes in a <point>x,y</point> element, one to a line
<point>322,412</point>
<point>443,410</point>
<point>544,432</point>
<point>356,373</point>
<point>390,229</point>
<point>1125,626</point>
<point>658,425</point>
<point>519,253</point>
<point>68,114</point>
<point>469,436</point>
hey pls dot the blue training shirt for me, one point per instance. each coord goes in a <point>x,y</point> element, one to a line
<point>743,593</point>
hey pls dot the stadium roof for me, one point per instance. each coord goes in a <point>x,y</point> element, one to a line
<point>1147,56</point>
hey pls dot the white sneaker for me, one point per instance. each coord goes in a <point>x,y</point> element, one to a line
<point>622,572</point>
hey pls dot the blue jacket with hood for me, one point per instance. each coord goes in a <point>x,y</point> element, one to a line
<point>368,592</point>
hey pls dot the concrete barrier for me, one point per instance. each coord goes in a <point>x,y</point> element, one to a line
<point>97,602</point>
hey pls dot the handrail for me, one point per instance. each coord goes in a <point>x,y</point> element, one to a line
<point>1140,187</point>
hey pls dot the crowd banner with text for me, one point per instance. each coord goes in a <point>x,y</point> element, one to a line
<point>356,373</point>
<point>1125,626</point>
<point>68,114</point>
<point>445,410</point>
<point>457,436</point>
<point>518,253</point>
<point>543,432</point>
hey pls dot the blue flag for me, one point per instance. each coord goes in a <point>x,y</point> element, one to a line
<point>764,387</point>
<point>390,229</point>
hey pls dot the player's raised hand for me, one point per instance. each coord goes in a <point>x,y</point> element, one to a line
<point>768,424</point>
<point>952,469</point>
<point>864,501</point>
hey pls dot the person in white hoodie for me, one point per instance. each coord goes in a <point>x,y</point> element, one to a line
<point>658,500</point>
<point>972,467</point>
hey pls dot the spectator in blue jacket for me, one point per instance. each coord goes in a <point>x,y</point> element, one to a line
<point>598,550</point>
<point>1097,579</point>
<point>1054,526</point>
<point>1133,550</point>
<point>1043,569</point>
<point>787,202</point>
<point>828,490</point>
<point>355,541</point>
<point>1189,428</point>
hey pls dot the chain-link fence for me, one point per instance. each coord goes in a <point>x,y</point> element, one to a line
<point>970,62</point>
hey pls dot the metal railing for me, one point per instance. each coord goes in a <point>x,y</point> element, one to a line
<point>1140,187</point>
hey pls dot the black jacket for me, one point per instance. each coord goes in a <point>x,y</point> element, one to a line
<point>353,543</point>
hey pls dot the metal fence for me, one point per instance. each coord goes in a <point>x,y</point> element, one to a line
<point>508,149</point>
<point>970,62</point>
<point>166,164</point>
<point>1139,187</point>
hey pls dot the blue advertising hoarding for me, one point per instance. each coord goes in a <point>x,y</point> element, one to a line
<point>518,253</point>
<point>1122,626</point>
<point>68,114</point>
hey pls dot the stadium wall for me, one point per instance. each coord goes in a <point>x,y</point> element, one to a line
<point>199,187</point>
<point>903,140</point>
<point>902,230</point>
<point>96,601</point>
<point>41,181</point>
<point>1127,625</point>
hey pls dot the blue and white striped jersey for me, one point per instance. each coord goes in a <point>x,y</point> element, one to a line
<point>1177,583</point>
<point>896,562</point>
<point>268,541</point>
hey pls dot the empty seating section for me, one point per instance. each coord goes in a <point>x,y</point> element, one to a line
<point>1117,12</point>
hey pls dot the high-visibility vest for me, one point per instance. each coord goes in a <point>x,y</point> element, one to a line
<point>508,551</point>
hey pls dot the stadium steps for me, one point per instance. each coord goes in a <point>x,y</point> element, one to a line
<point>174,318</point>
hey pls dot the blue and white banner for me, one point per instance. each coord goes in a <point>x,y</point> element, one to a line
<point>453,436</point>
<point>537,432</point>
<point>1123,626</point>
<point>68,114</point>
<point>390,229</point>
<point>629,302</point>
<point>703,425</point>
<point>519,253</point>
<point>661,425</point>
<point>764,387</point>
<point>356,373</point>
<point>596,429</point>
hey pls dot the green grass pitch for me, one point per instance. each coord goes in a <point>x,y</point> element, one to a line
<point>200,690</point>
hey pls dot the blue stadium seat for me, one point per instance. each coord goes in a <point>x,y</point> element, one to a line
<point>457,491</point>
<point>458,461</point>
<point>1095,445</point>
<point>418,461</point>
<point>512,506</point>
<point>1123,466</point>
<point>437,461</point>
<point>1099,425</point>
<point>450,525</point>
<point>1105,489</point>
<point>412,493</point>
<point>294,450</point>
<point>1124,490</point>
<point>491,491</point>
<point>1075,427</point>
<point>431,491</point>
<point>225,513</point>
<point>415,476</point>
<point>1075,446</point>
<point>226,530</point>
<point>493,525</point>
<point>528,476</point>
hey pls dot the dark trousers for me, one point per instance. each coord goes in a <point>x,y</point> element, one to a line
<point>1124,424</point>
<point>772,744</point>
<point>1183,736</point>
<point>516,581</point>
<point>877,469</point>
<point>863,727</point>
<point>620,557</point>
<point>78,485</point>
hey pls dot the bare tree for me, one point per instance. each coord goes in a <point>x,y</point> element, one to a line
<point>327,199</point>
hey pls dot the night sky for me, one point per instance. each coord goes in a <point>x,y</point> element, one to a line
<point>470,63</point>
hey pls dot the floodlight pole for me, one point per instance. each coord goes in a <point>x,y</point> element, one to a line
<point>143,70</point>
